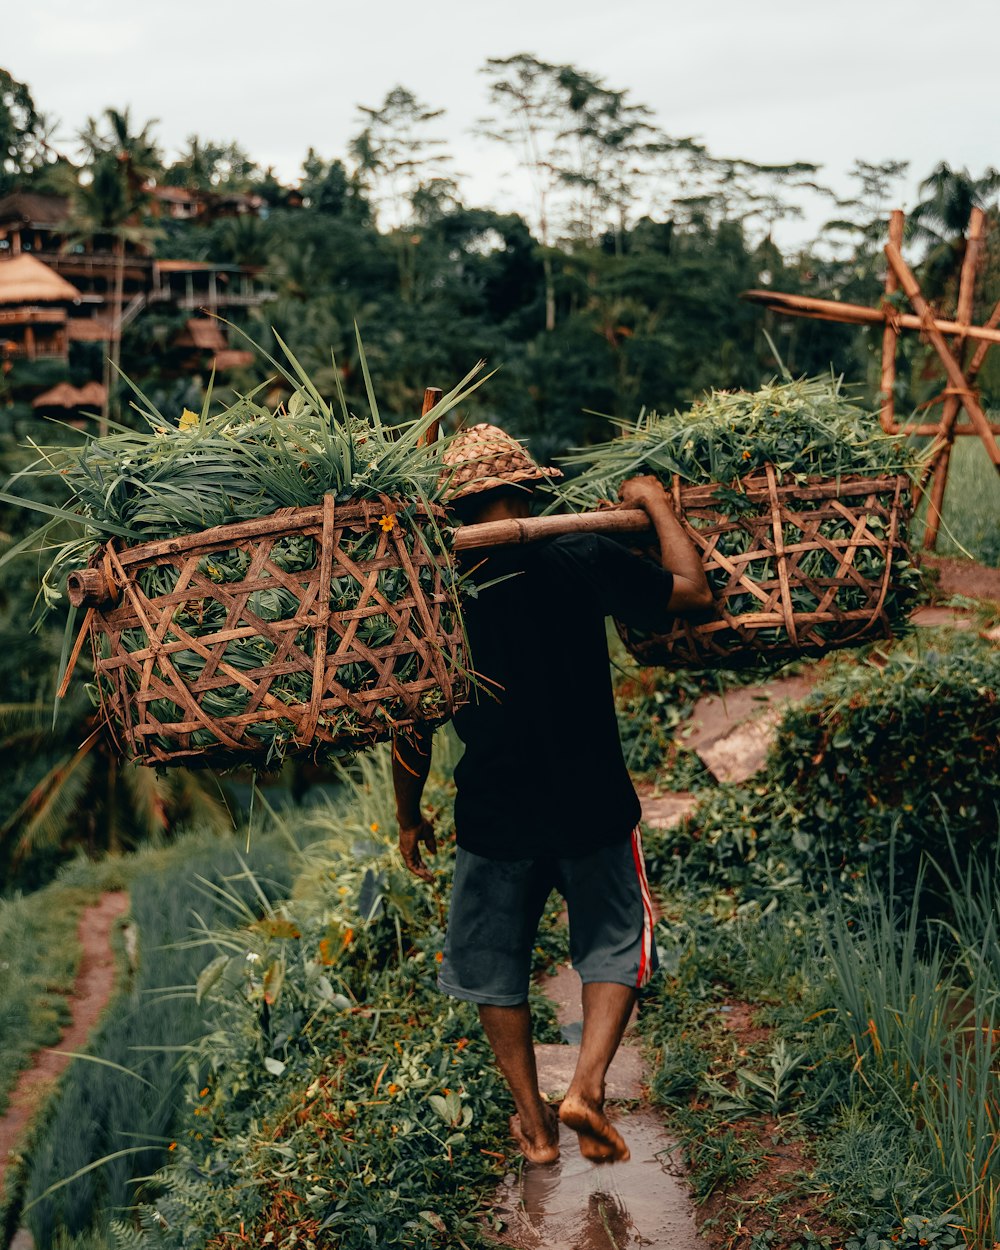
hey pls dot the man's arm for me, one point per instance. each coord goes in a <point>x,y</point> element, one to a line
<point>411,762</point>
<point>678,555</point>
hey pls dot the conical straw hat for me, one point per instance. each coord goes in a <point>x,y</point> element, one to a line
<point>485,457</point>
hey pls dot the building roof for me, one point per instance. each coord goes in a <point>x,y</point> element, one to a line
<point>203,333</point>
<point>90,329</point>
<point>33,209</point>
<point>183,266</point>
<point>233,358</point>
<point>27,280</point>
<point>180,195</point>
<point>90,395</point>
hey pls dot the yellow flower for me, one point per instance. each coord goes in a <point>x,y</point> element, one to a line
<point>189,419</point>
<point>746,455</point>
<point>387,522</point>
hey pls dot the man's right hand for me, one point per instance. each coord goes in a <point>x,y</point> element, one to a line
<point>691,592</point>
<point>644,491</point>
<point>410,838</point>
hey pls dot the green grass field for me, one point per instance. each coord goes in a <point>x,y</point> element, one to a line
<point>971,520</point>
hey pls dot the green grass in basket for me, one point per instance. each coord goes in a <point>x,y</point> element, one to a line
<point>804,428</point>
<point>182,473</point>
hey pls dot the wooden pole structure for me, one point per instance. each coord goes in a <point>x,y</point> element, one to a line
<point>860,315</point>
<point>938,468</point>
<point>960,391</point>
<point>890,336</point>
<point>951,367</point>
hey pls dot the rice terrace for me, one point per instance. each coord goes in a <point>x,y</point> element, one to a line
<point>499,699</point>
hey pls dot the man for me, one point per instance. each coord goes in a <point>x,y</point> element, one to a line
<point>543,796</point>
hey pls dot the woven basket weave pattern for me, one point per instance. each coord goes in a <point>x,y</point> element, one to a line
<point>340,629</point>
<point>484,457</point>
<point>800,568</point>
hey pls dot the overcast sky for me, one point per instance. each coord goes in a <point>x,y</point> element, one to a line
<point>770,80</point>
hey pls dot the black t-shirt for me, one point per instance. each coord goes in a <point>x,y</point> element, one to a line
<point>543,771</point>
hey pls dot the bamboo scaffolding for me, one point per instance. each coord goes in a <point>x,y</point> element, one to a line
<point>890,335</point>
<point>859,314</point>
<point>938,468</point>
<point>959,393</point>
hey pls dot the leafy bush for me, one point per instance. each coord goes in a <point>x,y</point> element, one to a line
<point>886,760</point>
<point>903,753</point>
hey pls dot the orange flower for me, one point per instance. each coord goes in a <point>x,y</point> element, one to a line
<point>388,522</point>
<point>461,1043</point>
<point>172,1146</point>
<point>393,1089</point>
<point>348,939</point>
<point>203,1092</point>
<point>374,826</point>
<point>439,956</point>
<point>746,455</point>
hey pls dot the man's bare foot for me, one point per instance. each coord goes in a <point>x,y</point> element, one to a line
<point>600,1141</point>
<point>542,1147</point>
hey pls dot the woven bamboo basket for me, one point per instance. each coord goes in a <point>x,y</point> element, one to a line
<point>797,568</point>
<point>340,629</point>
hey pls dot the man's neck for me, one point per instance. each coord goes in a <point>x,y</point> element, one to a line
<point>500,510</point>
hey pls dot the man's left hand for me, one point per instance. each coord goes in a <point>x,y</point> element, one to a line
<point>410,838</point>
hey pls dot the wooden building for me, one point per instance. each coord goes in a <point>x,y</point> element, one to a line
<point>35,306</point>
<point>40,227</point>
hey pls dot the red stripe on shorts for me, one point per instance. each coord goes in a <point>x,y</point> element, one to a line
<point>645,962</point>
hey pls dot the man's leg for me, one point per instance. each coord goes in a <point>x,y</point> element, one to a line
<point>606,1011</point>
<point>535,1127</point>
<point>612,948</point>
<point>495,909</point>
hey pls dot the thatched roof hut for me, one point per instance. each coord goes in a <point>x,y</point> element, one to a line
<point>26,280</point>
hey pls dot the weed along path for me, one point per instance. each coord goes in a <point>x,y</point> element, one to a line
<point>95,981</point>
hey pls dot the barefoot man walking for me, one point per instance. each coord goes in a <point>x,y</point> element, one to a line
<point>543,796</point>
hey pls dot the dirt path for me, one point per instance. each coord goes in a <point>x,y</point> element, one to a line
<point>94,985</point>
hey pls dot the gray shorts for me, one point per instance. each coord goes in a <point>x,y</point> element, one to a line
<point>496,906</point>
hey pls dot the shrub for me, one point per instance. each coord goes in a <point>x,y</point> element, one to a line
<point>903,754</point>
<point>885,761</point>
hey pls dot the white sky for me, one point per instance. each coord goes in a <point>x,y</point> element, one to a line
<point>770,80</point>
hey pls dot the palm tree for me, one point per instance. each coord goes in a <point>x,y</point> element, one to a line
<point>941,218</point>
<point>110,201</point>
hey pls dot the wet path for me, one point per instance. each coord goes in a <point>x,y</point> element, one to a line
<point>578,1205</point>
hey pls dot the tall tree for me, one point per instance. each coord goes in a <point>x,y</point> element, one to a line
<point>398,155</point>
<point>24,147</point>
<point>114,191</point>
<point>530,116</point>
<point>205,165</point>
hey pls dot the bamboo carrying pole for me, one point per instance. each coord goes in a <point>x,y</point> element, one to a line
<point>533,529</point>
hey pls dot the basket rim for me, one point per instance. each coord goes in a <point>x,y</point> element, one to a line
<point>290,519</point>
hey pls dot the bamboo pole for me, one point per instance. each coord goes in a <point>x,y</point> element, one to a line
<point>950,409</point>
<point>887,415</point>
<point>432,396</point>
<point>933,330</point>
<point>859,314</point>
<point>533,529</point>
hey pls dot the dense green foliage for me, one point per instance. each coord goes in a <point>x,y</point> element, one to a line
<point>884,761</point>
